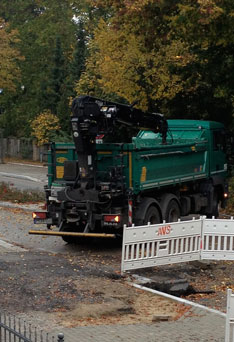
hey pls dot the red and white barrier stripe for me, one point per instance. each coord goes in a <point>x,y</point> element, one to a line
<point>130,213</point>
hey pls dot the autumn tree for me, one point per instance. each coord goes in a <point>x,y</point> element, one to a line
<point>44,126</point>
<point>39,24</point>
<point>133,53</point>
<point>9,56</point>
<point>208,92</point>
<point>172,56</point>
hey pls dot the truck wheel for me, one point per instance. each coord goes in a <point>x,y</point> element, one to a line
<point>67,239</point>
<point>152,216</point>
<point>172,211</point>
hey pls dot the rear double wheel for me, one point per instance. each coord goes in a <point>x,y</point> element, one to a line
<point>152,215</point>
<point>172,211</point>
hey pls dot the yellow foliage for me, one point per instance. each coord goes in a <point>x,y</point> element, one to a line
<point>122,64</point>
<point>9,55</point>
<point>44,126</point>
<point>209,11</point>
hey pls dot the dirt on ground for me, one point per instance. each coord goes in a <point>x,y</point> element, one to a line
<point>207,281</point>
<point>54,291</point>
<point>60,291</point>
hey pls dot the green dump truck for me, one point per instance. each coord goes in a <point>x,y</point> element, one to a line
<point>110,178</point>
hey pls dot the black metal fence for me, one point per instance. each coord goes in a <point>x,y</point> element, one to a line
<point>14,329</point>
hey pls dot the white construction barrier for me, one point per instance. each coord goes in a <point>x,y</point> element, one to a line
<point>167,243</point>
<point>229,330</point>
<point>160,244</point>
<point>217,239</point>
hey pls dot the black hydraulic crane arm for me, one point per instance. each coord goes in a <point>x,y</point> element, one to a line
<point>93,116</point>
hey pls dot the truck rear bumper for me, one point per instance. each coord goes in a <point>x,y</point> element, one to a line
<point>56,233</point>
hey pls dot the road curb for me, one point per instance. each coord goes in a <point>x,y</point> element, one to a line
<point>14,175</point>
<point>25,164</point>
<point>178,299</point>
<point>12,247</point>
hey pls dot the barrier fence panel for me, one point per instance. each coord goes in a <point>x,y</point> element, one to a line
<point>229,330</point>
<point>160,244</point>
<point>218,239</point>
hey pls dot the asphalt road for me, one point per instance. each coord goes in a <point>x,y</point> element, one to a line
<point>16,223</point>
<point>24,177</point>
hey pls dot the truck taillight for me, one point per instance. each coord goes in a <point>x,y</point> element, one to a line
<point>39,214</point>
<point>112,218</point>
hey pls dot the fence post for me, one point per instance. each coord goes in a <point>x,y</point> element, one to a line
<point>60,337</point>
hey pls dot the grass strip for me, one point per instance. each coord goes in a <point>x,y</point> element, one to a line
<point>9,193</point>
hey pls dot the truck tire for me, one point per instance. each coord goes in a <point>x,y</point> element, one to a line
<point>152,216</point>
<point>172,211</point>
<point>68,228</point>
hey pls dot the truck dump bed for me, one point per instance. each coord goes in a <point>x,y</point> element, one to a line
<point>147,163</point>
